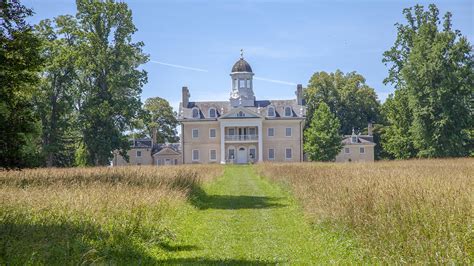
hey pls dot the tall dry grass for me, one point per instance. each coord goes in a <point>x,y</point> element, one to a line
<point>418,211</point>
<point>85,215</point>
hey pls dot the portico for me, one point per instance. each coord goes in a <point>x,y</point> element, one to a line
<point>239,134</point>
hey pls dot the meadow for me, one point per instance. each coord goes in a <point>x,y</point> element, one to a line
<point>91,215</point>
<point>418,211</point>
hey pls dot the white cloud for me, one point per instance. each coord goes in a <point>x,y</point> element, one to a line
<point>276,81</point>
<point>179,66</point>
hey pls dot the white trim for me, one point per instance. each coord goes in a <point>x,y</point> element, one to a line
<point>192,156</point>
<point>274,111</point>
<point>271,158</point>
<point>215,133</point>
<point>210,159</point>
<point>347,150</point>
<point>291,151</point>
<point>268,132</point>
<point>192,113</point>
<point>360,150</point>
<point>284,111</point>
<point>192,133</point>
<point>291,132</point>
<point>209,112</point>
<point>136,154</point>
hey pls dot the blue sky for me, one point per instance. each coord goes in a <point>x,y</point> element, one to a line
<point>282,40</point>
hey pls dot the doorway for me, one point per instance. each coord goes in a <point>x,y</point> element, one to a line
<point>242,155</point>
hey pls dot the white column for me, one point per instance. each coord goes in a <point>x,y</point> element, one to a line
<point>222,144</point>
<point>260,142</point>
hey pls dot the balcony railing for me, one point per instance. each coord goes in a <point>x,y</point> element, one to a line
<point>241,137</point>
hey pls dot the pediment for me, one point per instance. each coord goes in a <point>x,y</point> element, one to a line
<point>240,112</point>
<point>167,151</point>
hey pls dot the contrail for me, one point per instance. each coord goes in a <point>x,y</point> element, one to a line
<point>276,81</point>
<point>179,66</point>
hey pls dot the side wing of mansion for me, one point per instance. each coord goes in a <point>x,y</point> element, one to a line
<point>241,130</point>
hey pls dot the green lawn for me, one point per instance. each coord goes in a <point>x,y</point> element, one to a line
<point>243,219</point>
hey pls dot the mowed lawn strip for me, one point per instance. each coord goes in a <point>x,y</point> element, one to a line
<point>241,218</point>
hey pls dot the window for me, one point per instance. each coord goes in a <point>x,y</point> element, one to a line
<point>271,132</point>
<point>354,139</point>
<point>231,154</point>
<point>248,83</point>
<point>231,131</point>
<point>288,153</point>
<point>271,111</point>
<point>252,153</point>
<point>288,132</point>
<point>252,131</point>
<point>241,83</point>
<point>195,155</point>
<point>212,155</point>
<point>175,161</point>
<point>362,150</point>
<point>195,133</point>
<point>271,154</point>
<point>347,150</point>
<point>212,112</point>
<point>139,153</point>
<point>240,114</point>
<point>212,133</point>
<point>195,113</point>
<point>287,111</point>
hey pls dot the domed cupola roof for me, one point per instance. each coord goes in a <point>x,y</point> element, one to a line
<point>241,66</point>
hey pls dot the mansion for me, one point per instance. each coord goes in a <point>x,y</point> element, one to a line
<point>242,130</point>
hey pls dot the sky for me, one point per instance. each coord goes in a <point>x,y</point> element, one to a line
<point>196,43</point>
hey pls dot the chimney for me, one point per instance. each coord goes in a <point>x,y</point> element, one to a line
<point>299,94</point>
<point>369,129</point>
<point>186,95</point>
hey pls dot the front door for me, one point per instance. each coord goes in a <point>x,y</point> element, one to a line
<point>242,155</point>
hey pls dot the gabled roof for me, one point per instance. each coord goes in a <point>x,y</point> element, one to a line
<point>247,113</point>
<point>361,139</point>
<point>159,147</point>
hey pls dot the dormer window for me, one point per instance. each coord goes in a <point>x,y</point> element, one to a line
<point>240,114</point>
<point>354,139</point>
<point>195,113</point>
<point>212,112</point>
<point>271,111</point>
<point>288,111</point>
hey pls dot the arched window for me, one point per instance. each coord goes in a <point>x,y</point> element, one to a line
<point>271,111</point>
<point>195,113</point>
<point>288,111</point>
<point>241,114</point>
<point>212,112</point>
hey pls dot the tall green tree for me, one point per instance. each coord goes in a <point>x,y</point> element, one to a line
<point>20,63</point>
<point>322,141</point>
<point>110,80</point>
<point>159,116</point>
<point>432,65</point>
<point>347,95</point>
<point>54,101</point>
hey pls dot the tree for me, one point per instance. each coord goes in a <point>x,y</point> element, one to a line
<point>20,63</point>
<point>159,115</point>
<point>54,101</point>
<point>109,80</point>
<point>433,69</point>
<point>322,138</point>
<point>354,102</point>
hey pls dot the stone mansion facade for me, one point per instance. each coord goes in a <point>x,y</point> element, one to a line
<point>242,129</point>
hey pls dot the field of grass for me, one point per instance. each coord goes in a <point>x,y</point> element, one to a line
<point>92,215</point>
<point>418,211</point>
<point>322,213</point>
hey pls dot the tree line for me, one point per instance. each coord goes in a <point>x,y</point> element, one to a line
<point>70,87</point>
<point>70,91</point>
<point>430,114</point>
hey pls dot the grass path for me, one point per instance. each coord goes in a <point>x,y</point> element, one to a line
<point>243,219</point>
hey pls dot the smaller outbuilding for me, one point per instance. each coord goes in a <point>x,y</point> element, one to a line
<point>145,152</point>
<point>357,147</point>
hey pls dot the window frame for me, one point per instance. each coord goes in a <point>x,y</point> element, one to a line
<point>192,133</point>
<point>271,157</point>
<point>286,153</point>
<point>215,112</point>
<point>192,113</point>
<point>361,149</point>
<point>291,132</point>
<point>210,155</point>
<point>273,132</point>
<point>268,111</point>
<point>291,111</point>
<point>347,150</point>
<point>215,133</point>
<point>192,155</point>
<point>138,151</point>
